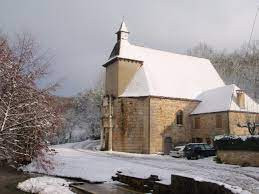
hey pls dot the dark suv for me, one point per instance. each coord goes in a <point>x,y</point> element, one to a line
<point>198,150</point>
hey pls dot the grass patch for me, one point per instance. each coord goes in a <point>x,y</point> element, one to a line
<point>9,178</point>
<point>217,160</point>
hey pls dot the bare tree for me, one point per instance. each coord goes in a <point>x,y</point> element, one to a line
<point>240,67</point>
<point>27,114</point>
<point>202,50</point>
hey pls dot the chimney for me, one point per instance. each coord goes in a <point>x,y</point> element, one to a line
<point>241,99</point>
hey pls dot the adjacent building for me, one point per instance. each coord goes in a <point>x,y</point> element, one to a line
<point>155,100</point>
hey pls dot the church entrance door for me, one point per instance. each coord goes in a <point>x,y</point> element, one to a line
<point>167,145</point>
<point>106,147</point>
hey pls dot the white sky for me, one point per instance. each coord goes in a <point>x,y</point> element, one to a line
<point>80,33</point>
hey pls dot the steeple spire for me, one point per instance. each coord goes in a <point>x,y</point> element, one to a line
<point>123,32</point>
<point>123,27</point>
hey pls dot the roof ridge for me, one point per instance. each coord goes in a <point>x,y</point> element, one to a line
<point>155,49</point>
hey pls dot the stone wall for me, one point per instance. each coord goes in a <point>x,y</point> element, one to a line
<point>179,184</point>
<point>230,122</point>
<point>242,158</point>
<point>131,124</point>
<point>163,122</point>
<point>111,79</point>
<point>236,118</point>
<point>208,129</point>
<point>141,124</point>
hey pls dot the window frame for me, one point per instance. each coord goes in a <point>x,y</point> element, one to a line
<point>179,118</point>
<point>219,122</point>
<point>197,125</point>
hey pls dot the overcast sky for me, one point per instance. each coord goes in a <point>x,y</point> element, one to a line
<point>80,33</point>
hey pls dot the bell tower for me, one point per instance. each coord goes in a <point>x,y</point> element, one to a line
<point>123,32</point>
<point>120,68</point>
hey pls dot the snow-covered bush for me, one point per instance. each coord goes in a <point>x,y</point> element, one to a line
<point>237,142</point>
<point>45,185</point>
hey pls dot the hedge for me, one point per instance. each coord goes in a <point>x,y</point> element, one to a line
<point>250,143</point>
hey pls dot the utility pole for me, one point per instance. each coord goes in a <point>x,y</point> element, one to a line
<point>251,34</point>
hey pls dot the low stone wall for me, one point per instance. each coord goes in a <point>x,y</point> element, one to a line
<point>186,185</point>
<point>239,157</point>
<point>179,184</point>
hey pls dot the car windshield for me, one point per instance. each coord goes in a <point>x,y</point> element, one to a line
<point>208,146</point>
<point>203,147</point>
<point>180,148</point>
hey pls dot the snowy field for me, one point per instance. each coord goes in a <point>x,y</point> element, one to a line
<point>76,160</point>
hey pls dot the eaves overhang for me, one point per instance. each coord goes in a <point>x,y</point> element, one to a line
<point>113,59</point>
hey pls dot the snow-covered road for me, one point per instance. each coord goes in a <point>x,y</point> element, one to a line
<point>73,161</point>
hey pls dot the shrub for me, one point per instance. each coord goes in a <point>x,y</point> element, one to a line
<point>250,143</point>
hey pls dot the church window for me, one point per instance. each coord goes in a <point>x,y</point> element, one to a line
<point>197,123</point>
<point>218,121</point>
<point>197,140</point>
<point>179,117</point>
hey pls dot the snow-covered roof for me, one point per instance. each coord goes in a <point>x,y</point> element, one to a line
<point>167,74</point>
<point>223,99</point>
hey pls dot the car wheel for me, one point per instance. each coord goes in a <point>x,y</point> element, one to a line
<point>188,157</point>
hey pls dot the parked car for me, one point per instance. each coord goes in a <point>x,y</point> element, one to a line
<point>177,152</point>
<point>198,150</point>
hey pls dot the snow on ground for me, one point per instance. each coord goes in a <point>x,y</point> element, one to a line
<point>87,145</point>
<point>45,185</point>
<point>73,161</point>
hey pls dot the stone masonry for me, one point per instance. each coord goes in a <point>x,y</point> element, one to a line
<point>141,124</point>
<point>242,118</point>
<point>131,124</point>
<point>208,129</point>
<point>163,122</point>
<point>239,157</point>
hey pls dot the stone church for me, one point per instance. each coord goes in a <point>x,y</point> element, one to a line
<point>155,100</point>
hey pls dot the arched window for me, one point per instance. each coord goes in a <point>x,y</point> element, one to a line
<point>179,117</point>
